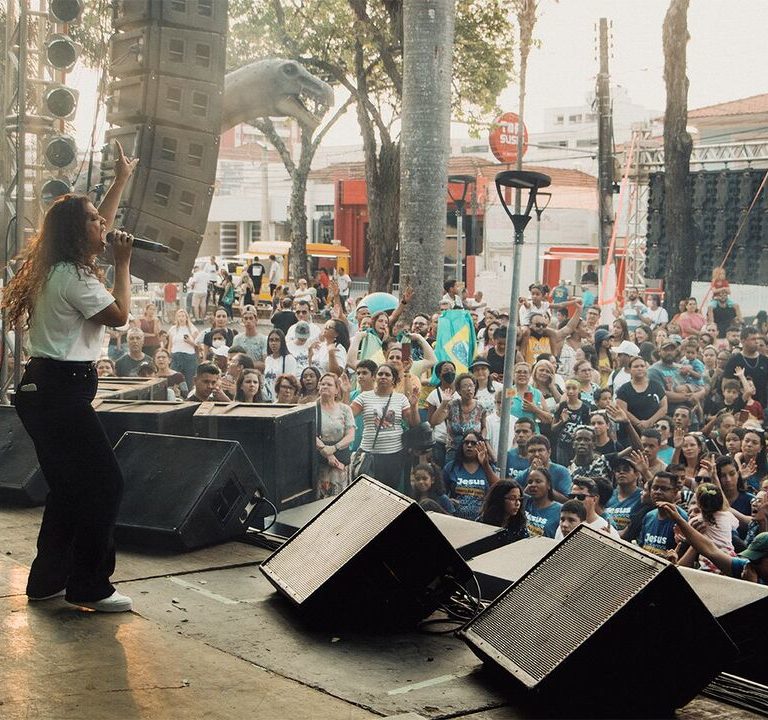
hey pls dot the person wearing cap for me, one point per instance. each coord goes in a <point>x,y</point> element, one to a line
<point>667,373</point>
<point>627,496</point>
<point>303,312</point>
<point>299,345</point>
<point>486,390</point>
<point>624,352</point>
<point>750,564</point>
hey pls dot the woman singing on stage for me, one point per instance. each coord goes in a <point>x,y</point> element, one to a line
<point>59,294</point>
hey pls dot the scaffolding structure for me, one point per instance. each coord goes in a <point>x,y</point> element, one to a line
<point>648,158</point>
<point>23,128</point>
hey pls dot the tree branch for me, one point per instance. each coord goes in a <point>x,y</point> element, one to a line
<point>321,134</point>
<point>384,46</point>
<point>267,127</point>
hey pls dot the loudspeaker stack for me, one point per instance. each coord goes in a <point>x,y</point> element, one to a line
<point>167,61</point>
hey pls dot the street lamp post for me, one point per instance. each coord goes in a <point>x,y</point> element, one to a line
<point>460,204</point>
<point>539,211</point>
<point>520,180</point>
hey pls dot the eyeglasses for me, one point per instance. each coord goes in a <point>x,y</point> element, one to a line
<point>538,325</point>
<point>579,496</point>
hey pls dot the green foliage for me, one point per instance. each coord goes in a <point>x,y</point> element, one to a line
<point>93,32</point>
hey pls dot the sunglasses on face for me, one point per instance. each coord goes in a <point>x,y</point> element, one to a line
<point>578,496</point>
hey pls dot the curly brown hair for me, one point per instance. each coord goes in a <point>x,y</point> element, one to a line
<point>61,239</point>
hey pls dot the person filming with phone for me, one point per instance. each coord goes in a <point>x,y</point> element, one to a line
<point>59,293</point>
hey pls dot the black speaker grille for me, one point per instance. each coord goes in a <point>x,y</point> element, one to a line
<point>575,598</point>
<point>323,548</point>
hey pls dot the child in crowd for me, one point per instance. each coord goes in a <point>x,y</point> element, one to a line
<point>572,514</point>
<point>711,516</point>
<point>427,489</point>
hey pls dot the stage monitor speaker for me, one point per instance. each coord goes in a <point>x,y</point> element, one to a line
<point>370,560</point>
<point>496,570</point>
<point>467,537</point>
<point>182,493</point>
<point>118,417</point>
<point>741,609</point>
<point>576,629</point>
<point>21,480</point>
<point>278,439</point>
<point>132,388</point>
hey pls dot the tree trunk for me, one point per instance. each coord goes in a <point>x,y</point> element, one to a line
<point>677,155</point>
<point>383,214</point>
<point>297,209</point>
<point>428,29</point>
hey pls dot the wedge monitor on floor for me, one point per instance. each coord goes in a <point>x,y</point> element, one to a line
<point>576,629</point>
<point>183,493</point>
<point>372,559</point>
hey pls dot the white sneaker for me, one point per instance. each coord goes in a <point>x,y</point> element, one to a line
<point>114,603</point>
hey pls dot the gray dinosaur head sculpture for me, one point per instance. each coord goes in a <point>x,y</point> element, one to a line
<point>272,88</point>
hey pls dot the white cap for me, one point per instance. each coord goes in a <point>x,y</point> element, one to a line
<point>627,348</point>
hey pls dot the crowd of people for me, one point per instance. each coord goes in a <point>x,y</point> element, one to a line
<point>647,427</point>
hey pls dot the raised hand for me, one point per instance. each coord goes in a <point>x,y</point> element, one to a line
<point>124,166</point>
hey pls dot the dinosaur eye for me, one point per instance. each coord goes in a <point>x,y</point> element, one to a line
<point>290,69</point>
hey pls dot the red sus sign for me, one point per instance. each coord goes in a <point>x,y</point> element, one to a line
<point>503,137</point>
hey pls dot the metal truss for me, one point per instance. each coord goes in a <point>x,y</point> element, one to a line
<point>731,155</point>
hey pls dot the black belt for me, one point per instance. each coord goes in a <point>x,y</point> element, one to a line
<point>73,364</point>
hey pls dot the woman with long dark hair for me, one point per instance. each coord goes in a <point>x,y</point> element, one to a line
<point>503,507</point>
<point>277,361</point>
<point>58,293</point>
<point>329,351</point>
<point>470,475</point>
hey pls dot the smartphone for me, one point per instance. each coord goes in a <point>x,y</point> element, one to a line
<point>528,396</point>
<point>743,416</point>
<point>406,346</point>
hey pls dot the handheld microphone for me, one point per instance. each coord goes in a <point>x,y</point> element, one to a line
<point>141,244</point>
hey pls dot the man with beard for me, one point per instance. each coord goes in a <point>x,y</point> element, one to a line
<point>537,338</point>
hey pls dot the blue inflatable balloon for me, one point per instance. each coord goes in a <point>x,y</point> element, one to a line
<point>375,302</point>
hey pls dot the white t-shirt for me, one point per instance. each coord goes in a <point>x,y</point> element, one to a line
<point>178,343</point>
<point>198,283</point>
<point>493,430</point>
<point>525,313</point>
<point>300,354</point>
<point>321,355</point>
<point>598,524</point>
<point>343,281</point>
<point>285,365</point>
<point>60,327</point>
<point>274,269</point>
<point>390,439</point>
<point>439,432</point>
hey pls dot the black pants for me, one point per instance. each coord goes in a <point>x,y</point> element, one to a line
<point>75,547</point>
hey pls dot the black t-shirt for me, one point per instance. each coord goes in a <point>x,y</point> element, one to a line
<point>714,404</point>
<point>575,418</point>
<point>756,369</point>
<point>642,404</point>
<point>256,271</point>
<point>610,448</point>
<point>495,361</point>
<point>284,319</point>
<point>723,317</point>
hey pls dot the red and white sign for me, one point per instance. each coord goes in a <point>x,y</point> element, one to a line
<point>503,137</point>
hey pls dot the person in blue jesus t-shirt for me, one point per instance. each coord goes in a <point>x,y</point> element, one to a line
<point>657,534</point>
<point>541,510</point>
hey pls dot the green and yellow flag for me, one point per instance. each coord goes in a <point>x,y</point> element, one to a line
<point>456,340</point>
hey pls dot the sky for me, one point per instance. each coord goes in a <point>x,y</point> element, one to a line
<point>726,59</point>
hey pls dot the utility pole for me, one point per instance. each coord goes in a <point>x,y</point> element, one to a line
<point>604,146</point>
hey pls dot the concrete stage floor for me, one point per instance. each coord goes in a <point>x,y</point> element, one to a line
<point>209,638</point>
